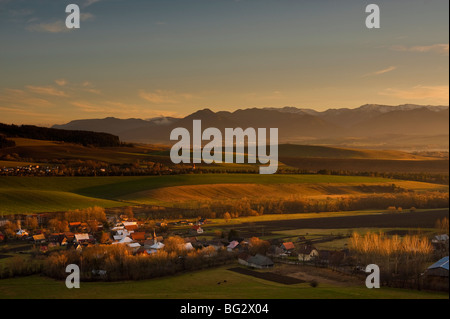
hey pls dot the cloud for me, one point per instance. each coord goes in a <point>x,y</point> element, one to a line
<point>165,97</point>
<point>61,82</point>
<point>434,94</point>
<point>124,110</point>
<point>57,26</point>
<point>86,16</point>
<point>46,90</point>
<point>52,27</point>
<point>441,49</point>
<point>383,71</point>
<point>88,3</point>
<point>19,98</point>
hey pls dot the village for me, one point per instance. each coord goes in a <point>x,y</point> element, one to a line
<point>39,235</point>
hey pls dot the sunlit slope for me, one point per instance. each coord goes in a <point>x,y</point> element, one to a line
<point>215,192</point>
<point>46,194</point>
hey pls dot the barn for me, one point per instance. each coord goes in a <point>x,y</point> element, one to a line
<point>436,276</point>
<point>439,269</point>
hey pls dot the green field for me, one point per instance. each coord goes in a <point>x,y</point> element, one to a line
<point>48,194</point>
<point>44,194</point>
<point>198,285</point>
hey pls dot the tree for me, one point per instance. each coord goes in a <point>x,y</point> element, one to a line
<point>258,246</point>
<point>31,223</point>
<point>227,217</point>
<point>9,230</point>
<point>174,244</point>
<point>442,225</point>
<point>105,239</point>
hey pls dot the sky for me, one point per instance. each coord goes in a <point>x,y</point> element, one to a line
<point>149,58</point>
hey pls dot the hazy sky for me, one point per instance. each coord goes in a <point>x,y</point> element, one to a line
<point>145,58</point>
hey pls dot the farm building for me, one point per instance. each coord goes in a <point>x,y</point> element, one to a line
<point>81,238</point>
<point>275,251</point>
<point>436,276</point>
<point>38,239</point>
<point>289,246</point>
<point>232,245</point>
<point>439,269</point>
<point>138,236</point>
<point>257,261</point>
<point>307,253</point>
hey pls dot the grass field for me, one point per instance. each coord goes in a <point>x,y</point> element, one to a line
<point>198,285</point>
<point>46,194</point>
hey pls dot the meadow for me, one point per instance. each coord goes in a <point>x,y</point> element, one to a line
<point>47,194</point>
<point>198,285</point>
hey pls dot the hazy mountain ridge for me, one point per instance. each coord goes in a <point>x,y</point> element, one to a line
<point>382,124</point>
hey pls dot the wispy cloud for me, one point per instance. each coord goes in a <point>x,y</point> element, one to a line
<point>51,27</point>
<point>441,49</point>
<point>165,97</point>
<point>433,94</point>
<point>15,98</point>
<point>46,90</point>
<point>58,26</point>
<point>383,71</point>
<point>61,82</point>
<point>88,3</point>
<point>113,108</point>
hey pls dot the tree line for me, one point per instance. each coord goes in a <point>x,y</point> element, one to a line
<point>401,259</point>
<point>118,263</point>
<point>84,138</point>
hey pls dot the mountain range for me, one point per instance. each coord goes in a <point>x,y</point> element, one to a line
<point>377,126</point>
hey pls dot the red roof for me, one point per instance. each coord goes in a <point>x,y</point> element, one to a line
<point>138,236</point>
<point>288,245</point>
<point>131,227</point>
<point>75,224</point>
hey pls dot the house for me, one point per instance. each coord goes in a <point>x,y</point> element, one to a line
<point>82,238</point>
<point>196,229</point>
<point>56,238</point>
<point>275,251</point>
<point>69,238</point>
<point>436,276</point>
<point>440,242</point>
<point>440,238</point>
<point>232,245</point>
<point>131,228</point>
<point>287,248</point>
<point>307,253</point>
<point>439,269</point>
<point>39,239</point>
<point>124,240</point>
<point>134,247</point>
<point>21,233</point>
<point>258,261</point>
<point>138,236</point>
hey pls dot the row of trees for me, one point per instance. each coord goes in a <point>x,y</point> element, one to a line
<point>401,259</point>
<point>298,204</point>
<point>84,215</point>
<point>85,138</point>
<point>119,264</point>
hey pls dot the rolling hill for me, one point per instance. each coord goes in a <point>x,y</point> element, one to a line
<point>47,194</point>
